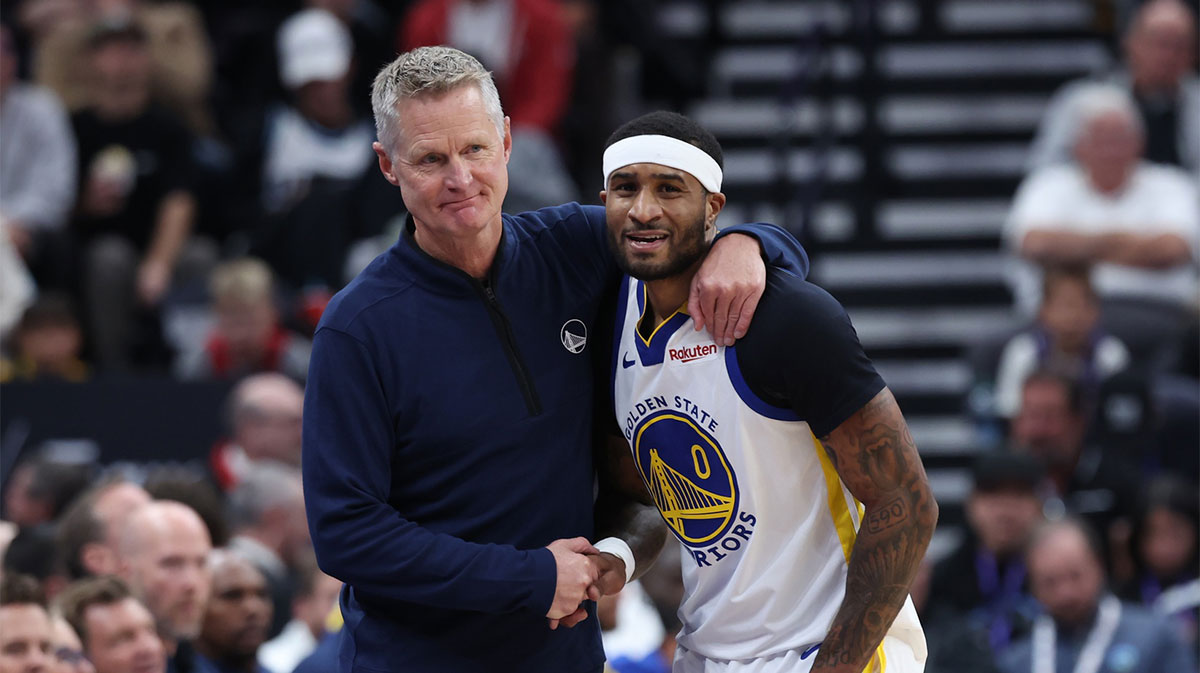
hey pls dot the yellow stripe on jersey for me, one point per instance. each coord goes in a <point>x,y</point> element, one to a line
<point>837,501</point>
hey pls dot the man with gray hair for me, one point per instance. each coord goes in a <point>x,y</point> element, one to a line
<point>266,511</point>
<point>1084,627</point>
<point>1136,222</point>
<point>1158,73</point>
<point>448,467</point>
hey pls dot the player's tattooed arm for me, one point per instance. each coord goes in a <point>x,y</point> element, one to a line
<point>876,458</point>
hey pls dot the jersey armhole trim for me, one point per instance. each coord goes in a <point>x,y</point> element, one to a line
<point>752,400</point>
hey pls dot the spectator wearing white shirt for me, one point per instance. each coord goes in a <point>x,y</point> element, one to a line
<point>1136,223</point>
<point>38,164</point>
<point>1160,52</point>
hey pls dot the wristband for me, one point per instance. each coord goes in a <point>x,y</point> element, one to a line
<point>617,547</point>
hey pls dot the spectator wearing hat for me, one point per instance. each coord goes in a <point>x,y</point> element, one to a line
<point>981,588</point>
<point>317,166</point>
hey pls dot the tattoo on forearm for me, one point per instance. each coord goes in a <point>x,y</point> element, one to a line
<point>892,514</point>
<point>875,455</point>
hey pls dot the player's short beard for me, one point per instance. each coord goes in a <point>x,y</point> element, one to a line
<point>688,246</point>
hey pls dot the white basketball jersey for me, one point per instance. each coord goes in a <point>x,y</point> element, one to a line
<point>765,522</point>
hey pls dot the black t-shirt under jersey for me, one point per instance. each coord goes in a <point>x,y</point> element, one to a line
<point>802,353</point>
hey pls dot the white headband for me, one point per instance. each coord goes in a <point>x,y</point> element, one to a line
<point>665,151</point>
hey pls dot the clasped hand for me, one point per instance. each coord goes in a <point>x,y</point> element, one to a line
<point>584,573</point>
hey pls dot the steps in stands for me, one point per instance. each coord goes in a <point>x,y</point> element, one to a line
<point>916,170</point>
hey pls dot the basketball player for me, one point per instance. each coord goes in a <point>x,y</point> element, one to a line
<point>782,463</point>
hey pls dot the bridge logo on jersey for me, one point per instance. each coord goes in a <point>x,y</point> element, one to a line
<point>688,475</point>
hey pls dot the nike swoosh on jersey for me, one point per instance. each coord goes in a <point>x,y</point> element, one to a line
<point>627,363</point>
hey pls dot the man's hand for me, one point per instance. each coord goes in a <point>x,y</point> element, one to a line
<point>726,289</point>
<point>575,574</point>
<point>610,579</point>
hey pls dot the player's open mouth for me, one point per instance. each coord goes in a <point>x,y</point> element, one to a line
<point>646,240</point>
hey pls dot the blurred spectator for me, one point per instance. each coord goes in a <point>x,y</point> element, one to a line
<point>1085,627</point>
<point>181,68</point>
<point>68,649</point>
<point>317,156</point>
<point>248,337</point>
<point>117,631</point>
<point>314,599</point>
<point>25,633</point>
<point>629,624</point>
<point>31,553</point>
<point>1160,50</point>
<point>1065,338</point>
<point>1051,426</point>
<point>266,510</point>
<point>89,532</point>
<point>264,414</point>
<point>373,37</point>
<point>1137,223</point>
<point>189,484</point>
<point>47,344</point>
<point>982,604</point>
<point>43,484</point>
<point>1165,554</point>
<point>37,165</point>
<point>324,658</point>
<point>663,584</point>
<point>17,289</point>
<point>136,208</point>
<point>164,558</point>
<point>236,618</point>
<point>531,53</point>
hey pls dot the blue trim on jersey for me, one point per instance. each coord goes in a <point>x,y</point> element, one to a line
<point>753,401</point>
<point>618,328</point>
<point>652,353</point>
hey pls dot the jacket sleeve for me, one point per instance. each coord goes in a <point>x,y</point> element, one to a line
<point>358,536</point>
<point>780,249</point>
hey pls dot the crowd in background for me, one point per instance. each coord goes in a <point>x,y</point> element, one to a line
<point>184,185</point>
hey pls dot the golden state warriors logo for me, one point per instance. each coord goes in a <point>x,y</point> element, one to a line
<point>687,474</point>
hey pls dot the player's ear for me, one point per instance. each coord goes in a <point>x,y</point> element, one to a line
<point>604,196</point>
<point>712,207</point>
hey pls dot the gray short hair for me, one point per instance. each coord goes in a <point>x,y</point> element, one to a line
<point>1094,100</point>
<point>428,70</point>
<point>265,485</point>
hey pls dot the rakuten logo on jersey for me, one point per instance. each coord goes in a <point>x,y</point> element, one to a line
<point>690,353</point>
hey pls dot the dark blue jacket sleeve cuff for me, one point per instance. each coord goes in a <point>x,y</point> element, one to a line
<point>546,570</point>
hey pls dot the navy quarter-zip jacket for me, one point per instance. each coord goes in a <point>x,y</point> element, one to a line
<point>447,441</point>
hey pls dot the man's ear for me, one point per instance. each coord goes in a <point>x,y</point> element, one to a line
<point>604,196</point>
<point>99,559</point>
<point>385,164</point>
<point>712,207</point>
<point>507,138</point>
